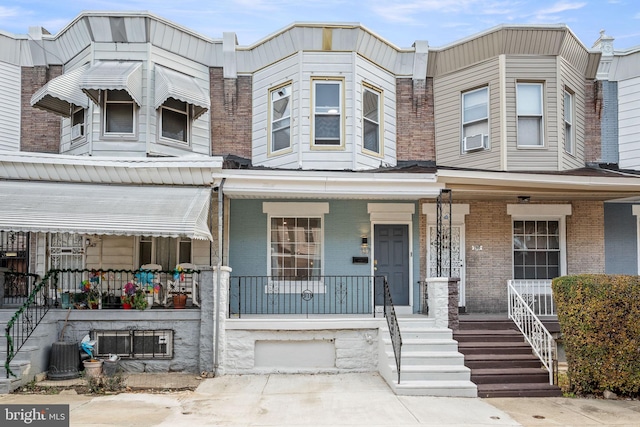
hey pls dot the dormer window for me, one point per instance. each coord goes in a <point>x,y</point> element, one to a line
<point>119,109</point>
<point>371,113</point>
<point>327,112</point>
<point>280,120</point>
<point>174,120</point>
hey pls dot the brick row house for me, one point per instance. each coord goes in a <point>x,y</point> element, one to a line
<point>294,173</point>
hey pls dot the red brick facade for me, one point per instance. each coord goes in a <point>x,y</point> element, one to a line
<point>40,130</point>
<point>231,114</point>
<point>415,127</point>
<point>593,119</point>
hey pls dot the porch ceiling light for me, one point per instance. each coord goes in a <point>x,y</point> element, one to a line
<point>364,246</point>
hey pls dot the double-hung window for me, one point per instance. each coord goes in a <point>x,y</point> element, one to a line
<point>475,119</point>
<point>530,115</point>
<point>280,108</point>
<point>371,116</point>
<point>296,247</point>
<point>174,120</point>
<point>77,123</point>
<point>327,113</point>
<point>536,249</point>
<point>569,136</point>
<point>119,113</point>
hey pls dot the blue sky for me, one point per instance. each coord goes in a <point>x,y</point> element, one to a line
<point>401,22</point>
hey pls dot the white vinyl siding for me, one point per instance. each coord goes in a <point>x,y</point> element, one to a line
<point>10,84</point>
<point>629,123</point>
<point>301,70</point>
<point>530,110</point>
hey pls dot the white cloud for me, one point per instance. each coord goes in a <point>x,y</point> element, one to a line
<point>553,12</point>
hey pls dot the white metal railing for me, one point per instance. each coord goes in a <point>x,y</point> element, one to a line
<point>537,294</point>
<point>541,341</point>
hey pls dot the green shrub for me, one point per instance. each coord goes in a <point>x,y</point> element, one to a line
<point>599,317</point>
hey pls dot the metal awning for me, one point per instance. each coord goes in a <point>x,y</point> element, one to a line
<point>113,75</point>
<point>62,93</point>
<point>172,84</point>
<point>158,211</point>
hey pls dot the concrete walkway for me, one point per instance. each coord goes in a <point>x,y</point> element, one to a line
<point>324,400</point>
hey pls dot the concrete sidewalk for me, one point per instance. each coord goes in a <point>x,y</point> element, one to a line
<point>324,400</point>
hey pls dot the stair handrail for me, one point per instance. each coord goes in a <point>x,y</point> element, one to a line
<point>393,325</point>
<point>534,331</point>
<point>30,314</point>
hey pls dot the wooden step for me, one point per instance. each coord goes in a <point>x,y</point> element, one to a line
<point>489,361</point>
<point>519,390</point>
<point>509,375</point>
<point>494,348</point>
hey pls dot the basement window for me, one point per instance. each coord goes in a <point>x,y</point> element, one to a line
<point>134,344</point>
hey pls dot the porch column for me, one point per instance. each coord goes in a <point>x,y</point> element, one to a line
<point>443,301</point>
<point>220,322</point>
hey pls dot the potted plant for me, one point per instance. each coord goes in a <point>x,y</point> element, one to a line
<point>139,300</point>
<point>179,295</point>
<point>127,299</point>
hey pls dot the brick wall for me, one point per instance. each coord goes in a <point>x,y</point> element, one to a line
<point>39,129</point>
<point>415,128</point>
<point>593,115</point>
<point>489,269</point>
<point>231,114</point>
<point>585,238</point>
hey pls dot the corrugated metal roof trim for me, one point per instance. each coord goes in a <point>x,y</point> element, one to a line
<point>105,209</point>
<point>172,84</point>
<point>62,93</point>
<point>113,75</point>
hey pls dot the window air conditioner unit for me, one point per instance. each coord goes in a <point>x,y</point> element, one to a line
<point>474,142</point>
<point>77,131</point>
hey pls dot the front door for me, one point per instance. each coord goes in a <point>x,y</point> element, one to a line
<point>391,259</point>
<point>457,258</point>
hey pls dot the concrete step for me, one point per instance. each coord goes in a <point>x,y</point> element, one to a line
<point>433,373</point>
<point>418,344</point>
<point>436,388</point>
<point>425,333</point>
<point>429,358</point>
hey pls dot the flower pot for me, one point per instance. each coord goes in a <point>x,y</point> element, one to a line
<point>149,301</point>
<point>92,368</point>
<point>179,301</point>
<point>126,306</point>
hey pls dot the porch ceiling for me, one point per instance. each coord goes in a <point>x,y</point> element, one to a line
<point>105,209</point>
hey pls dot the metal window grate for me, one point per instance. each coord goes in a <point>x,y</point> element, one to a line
<point>134,344</point>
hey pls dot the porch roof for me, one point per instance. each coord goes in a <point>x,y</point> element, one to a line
<point>158,211</point>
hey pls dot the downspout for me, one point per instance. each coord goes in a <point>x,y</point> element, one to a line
<point>218,275</point>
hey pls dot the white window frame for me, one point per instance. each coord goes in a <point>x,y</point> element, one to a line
<point>186,112</point>
<point>105,105</point>
<point>540,212</point>
<point>378,122</point>
<point>295,210</point>
<point>83,124</point>
<point>277,93</point>
<point>468,123</point>
<point>569,120</point>
<point>339,111</point>
<point>520,104</point>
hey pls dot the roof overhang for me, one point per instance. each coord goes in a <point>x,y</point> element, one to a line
<point>157,211</point>
<point>172,84</point>
<point>113,75</point>
<point>260,184</point>
<point>61,94</point>
<point>484,184</point>
<point>186,170</point>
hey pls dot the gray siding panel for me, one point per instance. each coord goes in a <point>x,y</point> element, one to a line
<point>447,101</point>
<point>620,239</point>
<point>609,131</point>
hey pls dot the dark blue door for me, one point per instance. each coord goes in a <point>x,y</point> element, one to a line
<point>391,259</point>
